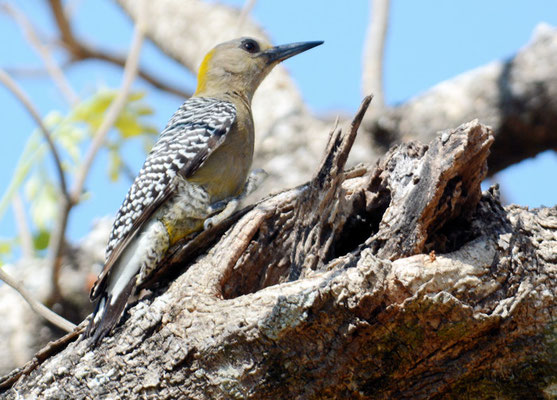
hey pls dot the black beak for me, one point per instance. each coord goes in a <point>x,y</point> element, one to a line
<point>282,52</point>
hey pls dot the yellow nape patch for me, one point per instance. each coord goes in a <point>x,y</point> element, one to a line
<point>202,74</point>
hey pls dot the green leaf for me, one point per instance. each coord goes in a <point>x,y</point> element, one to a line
<point>52,119</point>
<point>71,137</point>
<point>32,187</point>
<point>41,239</point>
<point>91,111</point>
<point>5,246</point>
<point>6,249</point>
<point>128,125</point>
<point>135,96</point>
<point>142,110</point>
<point>150,130</point>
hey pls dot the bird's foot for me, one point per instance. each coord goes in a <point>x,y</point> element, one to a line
<point>223,209</point>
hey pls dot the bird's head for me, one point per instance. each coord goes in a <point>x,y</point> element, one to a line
<point>241,64</point>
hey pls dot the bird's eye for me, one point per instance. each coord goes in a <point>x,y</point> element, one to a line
<point>250,46</point>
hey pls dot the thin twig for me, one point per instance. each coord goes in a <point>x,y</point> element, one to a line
<point>49,61</point>
<point>7,81</point>
<point>22,226</point>
<point>372,78</point>
<point>66,202</point>
<point>38,307</point>
<point>80,50</point>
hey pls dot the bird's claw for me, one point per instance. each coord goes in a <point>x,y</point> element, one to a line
<point>223,209</point>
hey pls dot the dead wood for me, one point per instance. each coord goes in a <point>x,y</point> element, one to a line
<point>398,280</point>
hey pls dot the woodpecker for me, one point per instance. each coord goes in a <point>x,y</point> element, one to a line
<point>193,176</point>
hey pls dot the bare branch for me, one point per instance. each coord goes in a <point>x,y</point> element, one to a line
<point>55,248</point>
<point>57,238</point>
<point>22,226</point>
<point>38,307</point>
<point>63,24</point>
<point>516,97</point>
<point>7,81</point>
<point>49,61</point>
<point>372,78</point>
<point>80,50</point>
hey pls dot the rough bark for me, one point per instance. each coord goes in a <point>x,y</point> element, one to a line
<point>399,280</point>
<point>516,97</point>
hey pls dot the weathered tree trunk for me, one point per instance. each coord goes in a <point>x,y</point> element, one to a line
<point>399,280</point>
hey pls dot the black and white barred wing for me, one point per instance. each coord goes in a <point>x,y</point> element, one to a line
<point>198,127</point>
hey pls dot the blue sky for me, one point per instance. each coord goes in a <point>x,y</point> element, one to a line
<point>429,41</point>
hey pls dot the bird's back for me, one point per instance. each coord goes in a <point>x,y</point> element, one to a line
<point>224,173</point>
<point>182,148</point>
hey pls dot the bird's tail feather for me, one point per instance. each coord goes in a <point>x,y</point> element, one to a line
<point>107,314</point>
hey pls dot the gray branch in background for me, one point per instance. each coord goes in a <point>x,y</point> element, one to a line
<point>374,52</point>
<point>246,10</point>
<point>517,97</point>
